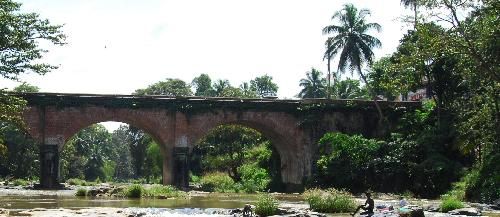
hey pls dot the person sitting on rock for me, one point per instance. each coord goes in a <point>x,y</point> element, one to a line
<point>247,211</point>
<point>367,207</point>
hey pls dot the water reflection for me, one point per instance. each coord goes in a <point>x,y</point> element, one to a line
<point>227,201</point>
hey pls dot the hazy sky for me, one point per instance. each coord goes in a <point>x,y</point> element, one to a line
<point>118,46</point>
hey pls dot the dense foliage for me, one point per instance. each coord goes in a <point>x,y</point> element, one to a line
<point>453,55</point>
<point>412,159</point>
<point>241,153</point>
<point>20,35</point>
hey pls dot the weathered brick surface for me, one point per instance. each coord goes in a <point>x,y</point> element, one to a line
<point>293,136</point>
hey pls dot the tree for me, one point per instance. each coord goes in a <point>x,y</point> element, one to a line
<point>220,86</point>
<point>203,85</point>
<point>349,89</point>
<point>353,42</point>
<point>247,91</point>
<point>264,86</point>
<point>17,148</point>
<point>414,4</point>
<point>124,169</point>
<point>20,34</point>
<point>138,142</point>
<point>93,145</point>
<point>313,86</point>
<point>225,147</point>
<point>170,87</point>
<point>26,88</point>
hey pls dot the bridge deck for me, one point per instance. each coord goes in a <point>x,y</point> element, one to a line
<point>138,101</point>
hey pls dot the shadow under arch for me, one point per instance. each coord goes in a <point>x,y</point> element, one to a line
<point>288,153</point>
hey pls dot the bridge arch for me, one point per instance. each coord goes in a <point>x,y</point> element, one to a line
<point>77,128</point>
<point>281,129</point>
<point>52,127</point>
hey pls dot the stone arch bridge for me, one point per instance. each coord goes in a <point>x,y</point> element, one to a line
<point>177,123</point>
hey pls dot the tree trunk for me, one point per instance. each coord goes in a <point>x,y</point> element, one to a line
<point>328,89</point>
<point>415,13</point>
<point>379,110</point>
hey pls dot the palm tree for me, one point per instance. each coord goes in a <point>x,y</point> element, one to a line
<point>414,4</point>
<point>313,85</point>
<point>349,89</point>
<point>351,40</point>
<point>219,87</point>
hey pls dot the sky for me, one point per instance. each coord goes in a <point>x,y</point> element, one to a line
<point>118,46</point>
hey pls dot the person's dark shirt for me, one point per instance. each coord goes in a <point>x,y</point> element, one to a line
<point>370,203</point>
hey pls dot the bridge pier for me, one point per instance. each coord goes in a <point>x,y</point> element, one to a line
<point>181,167</point>
<point>49,167</point>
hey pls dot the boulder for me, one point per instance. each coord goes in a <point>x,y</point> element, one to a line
<point>411,211</point>
<point>471,211</point>
<point>496,204</point>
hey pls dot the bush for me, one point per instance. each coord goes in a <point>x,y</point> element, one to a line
<point>20,182</point>
<point>77,182</point>
<point>134,191</point>
<point>164,191</point>
<point>266,205</point>
<point>194,178</point>
<point>482,183</point>
<point>345,160</point>
<point>253,178</point>
<point>449,203</point>
<point>330,201</point>
<point>217,182</point>
<point>81,192</point>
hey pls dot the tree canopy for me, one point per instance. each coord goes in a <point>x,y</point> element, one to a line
<point>170,87</point>
<point>20,34</point>
<point>313,86</point>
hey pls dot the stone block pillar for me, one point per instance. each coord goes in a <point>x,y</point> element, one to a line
<point>181,167</point>
<point>49,167</point>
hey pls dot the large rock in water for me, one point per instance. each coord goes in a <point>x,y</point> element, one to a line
<point>465,211</point>
<point>496,204</point>
<point>411,211</point>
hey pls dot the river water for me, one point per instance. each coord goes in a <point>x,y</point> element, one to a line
<point>20,202</point>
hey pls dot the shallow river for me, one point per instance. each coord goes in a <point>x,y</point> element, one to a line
<point>62,203</point>
<point>19,202</point>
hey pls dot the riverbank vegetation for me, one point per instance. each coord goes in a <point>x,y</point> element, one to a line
<point>266,205</point>
<point>330,200</point>
<point>452,138</point>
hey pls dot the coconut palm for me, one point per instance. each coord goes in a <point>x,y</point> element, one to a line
<point>349,89</point>
<point>313,86</point>
<point>219,87</point>
<point>351,40</point>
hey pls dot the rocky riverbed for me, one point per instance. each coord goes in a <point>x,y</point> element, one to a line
<point>17,201</point>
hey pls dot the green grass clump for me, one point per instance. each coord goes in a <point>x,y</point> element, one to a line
<point>77,182</point>
<point>163,191</point>
<point>81,192</point>
<point>217,182</point>
<point>449,203</point>
<point>266,205</point>
<point>330,200</point>
<point>134,191</point>
<point>20,182</point>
